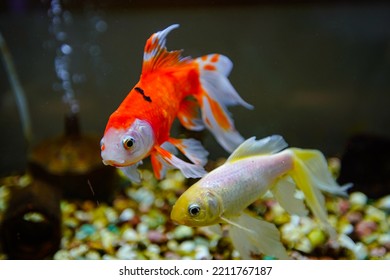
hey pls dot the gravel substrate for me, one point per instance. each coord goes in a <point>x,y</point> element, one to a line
<point>137,226</point>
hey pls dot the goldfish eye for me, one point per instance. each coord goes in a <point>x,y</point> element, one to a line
<point>128,142</point>
<point>194,210</point>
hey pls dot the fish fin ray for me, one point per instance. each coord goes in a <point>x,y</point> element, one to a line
<point>253,235</point>
<point>253,147</point>
<point>215,95</point>
<point>132,172</point>
<point>192,149</point>
<point>189,170</point>
<point>155,53</point>
<point>284,191</point>
<point>188,115</point>
<point>311,175</point>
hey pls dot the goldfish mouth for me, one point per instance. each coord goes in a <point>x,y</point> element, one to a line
<point>114,163</point>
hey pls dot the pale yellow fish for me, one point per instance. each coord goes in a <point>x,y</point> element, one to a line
<point>255,167</point>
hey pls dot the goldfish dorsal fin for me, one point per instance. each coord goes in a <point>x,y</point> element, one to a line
<point>156,54</point>
<point>253,147</point>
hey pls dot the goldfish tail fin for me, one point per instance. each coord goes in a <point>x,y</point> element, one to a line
<point>311,175</point>
<point>252,236</point>
<point>216,94</point>
<point>156,54</point>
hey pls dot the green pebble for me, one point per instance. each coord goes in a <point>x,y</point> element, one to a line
<point>317,237</point>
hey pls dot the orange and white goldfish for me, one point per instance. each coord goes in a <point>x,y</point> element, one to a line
<point>255,167</point>
<point>172,86</point>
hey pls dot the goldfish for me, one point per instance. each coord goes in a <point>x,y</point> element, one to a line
<point>170,87</point>
<point>254,168</point>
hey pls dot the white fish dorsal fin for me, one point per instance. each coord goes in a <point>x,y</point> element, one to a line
<point>253,147</point>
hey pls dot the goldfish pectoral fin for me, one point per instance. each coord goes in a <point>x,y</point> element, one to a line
<point>252,236</point>
<point>284,192</point>
<point>188,115</point>
<point>132,172</point>
<point>215,94</point>
<point>311,175</point>
<point>159,166</point>
<point>189,170</point>
<point>155,53</point>
<point>192,149</point>
<point>252,147</point>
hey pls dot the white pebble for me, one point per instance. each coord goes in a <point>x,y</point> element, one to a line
<point>111,215</point>
<point>130,235</point>
<point>61,255</point>
<point>346,229</point>
<point>76,252</point>
<point>202,253</point>
<point>182,232</point>
<point>92,255</point>
<point>358,199</point>
<point>384,239</point>
<point>126,252</point>
<point>187,246</point>
<point>126,215</point>
<point>384,203</point>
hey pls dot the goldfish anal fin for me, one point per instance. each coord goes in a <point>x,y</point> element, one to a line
<point>284,192</point>
<point>215,95</point>
<point>132,172</point>
<point>254,236</point>
<point>192,149</point>
<point>188,115</point>
<point>156,54</point>
<point>253,147</point>
<point>168,160</point>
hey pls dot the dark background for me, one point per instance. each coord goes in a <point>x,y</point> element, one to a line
<point>317,72</point>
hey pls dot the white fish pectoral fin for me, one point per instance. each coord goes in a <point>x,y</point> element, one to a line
<point>189,170</point>
<point>132,172</point>
<point>192,149</point>
<point>284,191</point>
<point>253,236</point>
<point>253,147</point>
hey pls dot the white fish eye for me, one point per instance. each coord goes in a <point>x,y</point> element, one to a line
<point>128,142</point>
<point>194,210</point>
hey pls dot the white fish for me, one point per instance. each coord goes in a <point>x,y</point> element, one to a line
<point>255,167</point>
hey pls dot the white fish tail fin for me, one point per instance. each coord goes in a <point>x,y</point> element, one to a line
<point>311,174</point>
<point>216,94</point>
<point>252,236</point>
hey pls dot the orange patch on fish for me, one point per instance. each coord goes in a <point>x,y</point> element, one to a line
<point>220,117</point>
<point>209,67</point>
